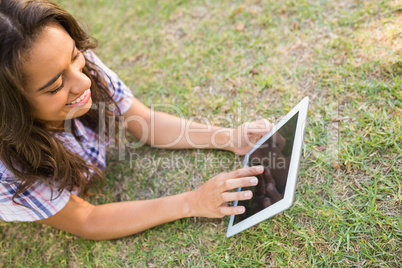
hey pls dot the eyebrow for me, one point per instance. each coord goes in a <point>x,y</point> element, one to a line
<point>54,79</point>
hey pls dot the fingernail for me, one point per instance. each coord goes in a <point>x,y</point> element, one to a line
<point>254,181</point>
<point>241,210</point>
<point>247,194</point>
<point>259,168</point>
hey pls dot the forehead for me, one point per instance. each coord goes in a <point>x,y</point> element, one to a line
<point>49,55</point>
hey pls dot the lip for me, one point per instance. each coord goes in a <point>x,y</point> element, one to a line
<point>83,101</point>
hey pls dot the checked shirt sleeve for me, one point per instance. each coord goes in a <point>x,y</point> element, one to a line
<point>122,95</point>
<point>37,202</point>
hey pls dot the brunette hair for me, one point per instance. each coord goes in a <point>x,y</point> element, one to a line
<point>27,148</point>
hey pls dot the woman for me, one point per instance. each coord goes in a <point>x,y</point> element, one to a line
<point>59,104</point>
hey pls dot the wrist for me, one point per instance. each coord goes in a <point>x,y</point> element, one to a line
<point>189,204</point>
<point>222,139</point>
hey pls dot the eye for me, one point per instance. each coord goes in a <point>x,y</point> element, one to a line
<point>76,56</point>
<point>62,76</point>
<point>58,88</point>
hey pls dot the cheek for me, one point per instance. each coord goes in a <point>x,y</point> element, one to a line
<point>48,105</point>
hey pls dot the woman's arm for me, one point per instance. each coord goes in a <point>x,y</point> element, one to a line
<point>167,131</point>
<point>116,220</point>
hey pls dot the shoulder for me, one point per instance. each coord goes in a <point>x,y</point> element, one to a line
<point>36,203</point>
<point>94,59</point>
<point>89,55</point>
<point>121,94</point>
<point>5,174</point>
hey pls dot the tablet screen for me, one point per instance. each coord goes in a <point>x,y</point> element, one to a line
<point>274,154</point>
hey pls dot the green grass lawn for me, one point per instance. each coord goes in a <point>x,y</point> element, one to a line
<point>344,55</point>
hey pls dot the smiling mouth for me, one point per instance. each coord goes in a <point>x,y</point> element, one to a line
<point>80,98</point>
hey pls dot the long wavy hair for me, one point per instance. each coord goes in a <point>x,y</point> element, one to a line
<point>27,148</point>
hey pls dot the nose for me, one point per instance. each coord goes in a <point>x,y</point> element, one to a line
<point>79,82</point>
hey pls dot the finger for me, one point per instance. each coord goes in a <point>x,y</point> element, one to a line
<point>244,172</point>
<point>224,210</point>
<point>233,196</point>
<point>254,137</point>
<point>236,183</point>
<point>266,125</point>
<point>256,133</point>
<point>261,123</point>
<point>260,126</point>
<point>266,122</point>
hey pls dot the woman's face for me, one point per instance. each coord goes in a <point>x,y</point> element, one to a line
<point>56,87</point>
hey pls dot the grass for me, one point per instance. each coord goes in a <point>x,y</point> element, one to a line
<point>345,55</point>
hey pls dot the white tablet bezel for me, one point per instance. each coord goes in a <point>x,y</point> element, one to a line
<point>289,194</point>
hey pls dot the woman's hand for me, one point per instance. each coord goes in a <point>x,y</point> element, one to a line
<point>245,136</point>
<point>211,199</point>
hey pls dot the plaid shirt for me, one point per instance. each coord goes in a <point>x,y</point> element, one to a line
<point>37,200</point>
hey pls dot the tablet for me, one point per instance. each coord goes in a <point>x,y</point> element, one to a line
<point>279,151</point>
